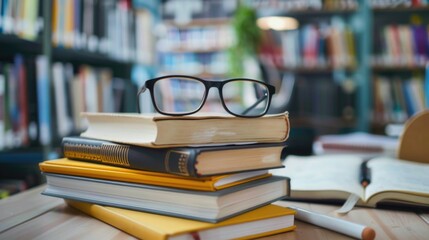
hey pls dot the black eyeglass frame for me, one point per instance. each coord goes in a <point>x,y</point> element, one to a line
<point>149,84</point>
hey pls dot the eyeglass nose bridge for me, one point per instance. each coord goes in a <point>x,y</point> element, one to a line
<point>214,84</point>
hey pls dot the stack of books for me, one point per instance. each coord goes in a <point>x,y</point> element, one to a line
<point>164,177</point>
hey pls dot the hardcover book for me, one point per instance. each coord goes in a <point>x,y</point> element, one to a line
<point>199,205</point>
<point>390,183</point>
<point>101,171</point>
<point>155,130</point>
<point>186,161</point>
<point>270,220</point>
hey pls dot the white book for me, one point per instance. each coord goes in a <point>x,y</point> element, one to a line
<point>90,86</point>
<point>64,125</point>
<point>2,93</point>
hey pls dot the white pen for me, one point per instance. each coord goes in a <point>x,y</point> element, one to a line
<point>335,224</point>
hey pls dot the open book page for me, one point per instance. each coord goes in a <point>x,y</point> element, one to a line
<point>393,175</point>
<point>322,177</point>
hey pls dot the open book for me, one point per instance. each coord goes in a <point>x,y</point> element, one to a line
<point>335,177</point>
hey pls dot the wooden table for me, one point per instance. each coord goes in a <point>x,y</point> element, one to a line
<point>30,215</point>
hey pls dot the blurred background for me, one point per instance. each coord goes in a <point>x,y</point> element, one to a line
<point>339,66</point>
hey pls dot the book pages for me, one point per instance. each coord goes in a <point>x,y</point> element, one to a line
<point>316,174</point>
<point>393,175</point>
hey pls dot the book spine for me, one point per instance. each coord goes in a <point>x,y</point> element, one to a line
<point>178,161</point>
<point>426,85</point>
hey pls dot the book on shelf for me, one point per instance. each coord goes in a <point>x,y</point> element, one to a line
<point>21,18</point>
<point>155,130</point>
<point>397,99</point>
<point>100,171</point>
<point>33,121</point>
<point>199,205</point>
<point>64,121</point>
<point>18,103</point>
<point>270,220</point>
<point>426,85</point>
<point>358,143</point>
<point>43,100</point>
<point>391,182</point>
<point>187,161</point>
<point>111,28</point>
<point>2,108</point>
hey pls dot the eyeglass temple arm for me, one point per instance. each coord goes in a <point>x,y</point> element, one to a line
<point>254,105</point>
<point>142,90</point>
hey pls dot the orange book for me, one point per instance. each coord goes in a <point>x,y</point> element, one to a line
<point>106,172</point>
<point>54,22</point>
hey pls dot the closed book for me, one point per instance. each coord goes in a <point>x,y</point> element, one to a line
<point>155,130</point>
<point>186,161</point>
<point>93,170</point>
<point>426,85</point>
<point>198,205</point>
<point>43,100</point>
<point>270,219</point>
<point>359,143</point>
<point>33,121</point>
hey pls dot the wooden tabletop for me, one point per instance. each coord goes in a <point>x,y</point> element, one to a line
<point>30,215</point>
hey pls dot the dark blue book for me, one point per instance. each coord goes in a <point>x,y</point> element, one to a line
<point>185,161</point>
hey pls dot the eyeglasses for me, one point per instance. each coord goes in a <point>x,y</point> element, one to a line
<point>179,95</point>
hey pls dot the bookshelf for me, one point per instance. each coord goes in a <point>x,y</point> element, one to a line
<point>198,47</point>
<point>346,93</point>
<point>387,73</point>
<point>49,46</point>
<point>196,43</point>
<point>195,38</point>
<point>21,44</point>
<point>398,62</point>
<point>325,56</point>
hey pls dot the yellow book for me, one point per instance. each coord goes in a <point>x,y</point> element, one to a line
<point>101,171</point>
<point>69,24</point>
<point>29,19</point>
<point>264,221</point>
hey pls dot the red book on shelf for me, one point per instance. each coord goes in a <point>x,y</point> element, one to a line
<point>358,142</point>
<point>20,73</point>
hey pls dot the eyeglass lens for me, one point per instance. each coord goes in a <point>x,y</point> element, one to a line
<point>245,98</point>
<point>181,95</point>
<point>178,95</point>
